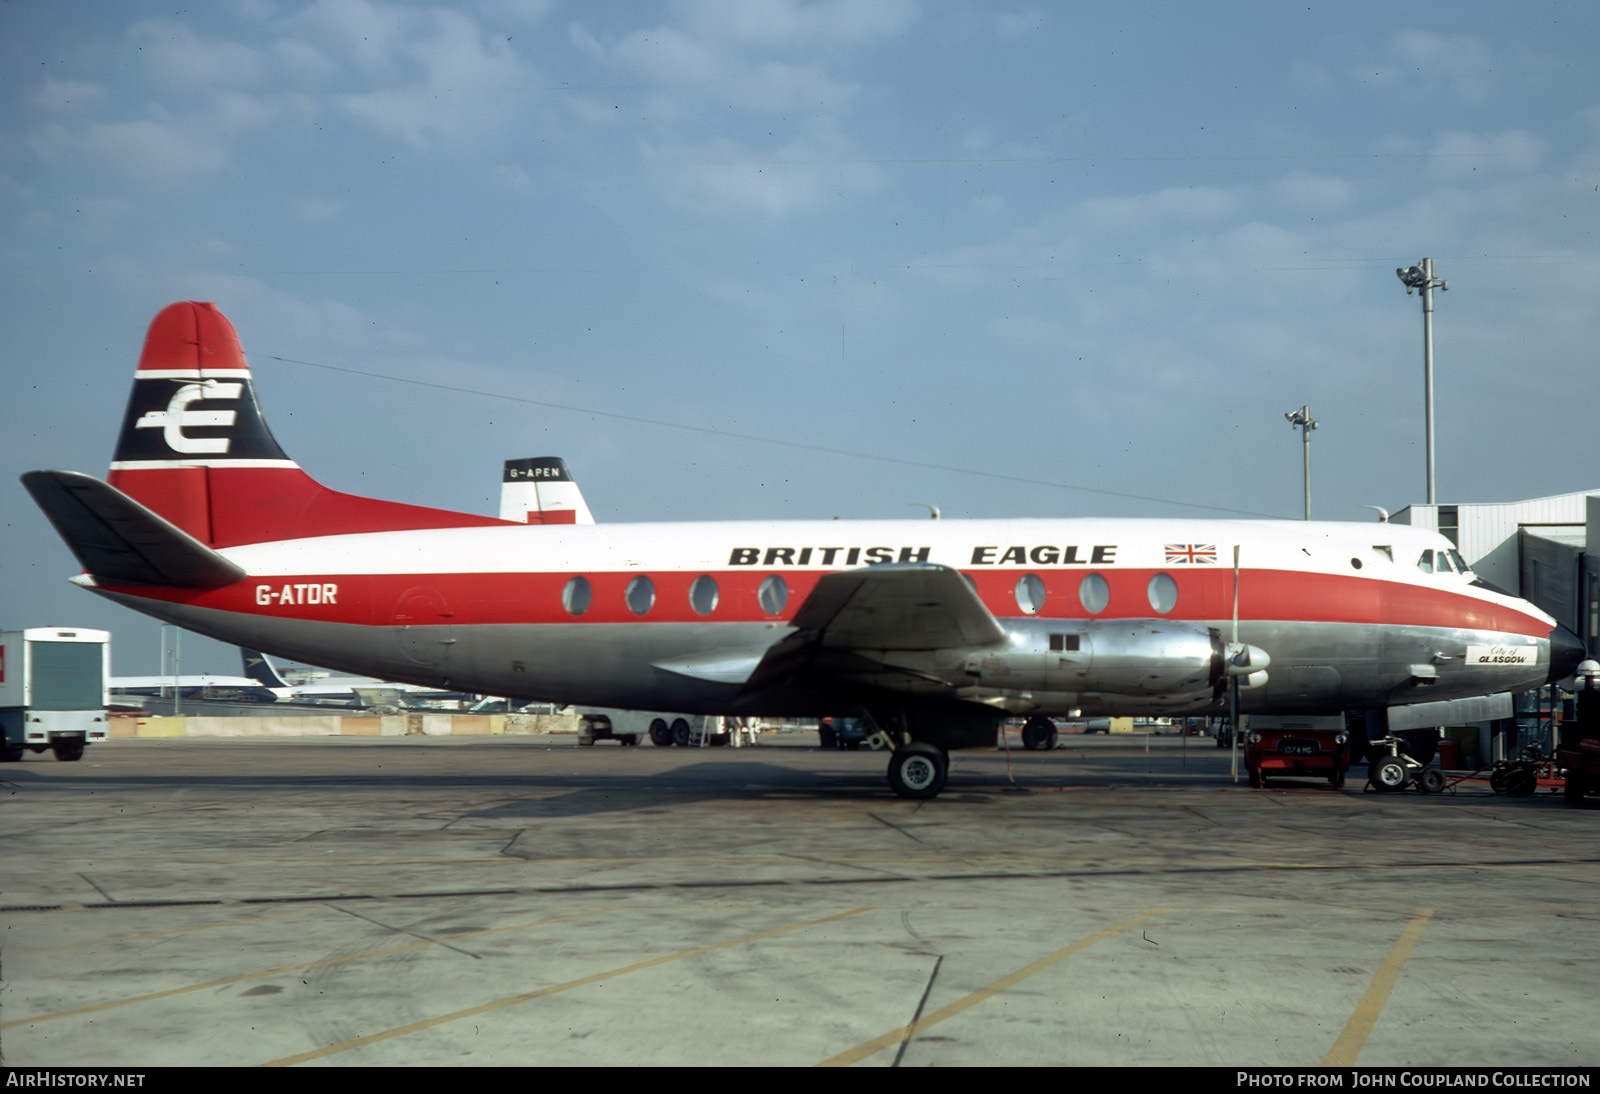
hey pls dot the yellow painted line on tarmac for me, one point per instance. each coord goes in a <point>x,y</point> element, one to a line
<point>150,996</point>
<point>966,1002</point>
<point>1354,1038</point>
<point>510,1001</point>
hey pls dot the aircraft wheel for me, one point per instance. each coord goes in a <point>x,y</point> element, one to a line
<point>1256,781</point>
<point>1432,781</point>
<point>659,733</point>
<point>68,752</point>
<point>918,770</point>
<point>1575,789</point>
<point>1038,734</point>
<point>680,732</point>
<point>1388,773</point>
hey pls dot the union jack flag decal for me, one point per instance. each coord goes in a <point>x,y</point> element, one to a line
<point>1191,554</point>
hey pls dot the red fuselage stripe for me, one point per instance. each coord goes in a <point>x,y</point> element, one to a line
<point>468,599</point>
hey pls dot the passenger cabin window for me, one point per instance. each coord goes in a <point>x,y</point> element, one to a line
<point>640,595</point>
<point>1094,593</point>
<point>1030,593</point>
<point>577,594</point>
<point>703,595</point>
<point>1163,593</point>
<point>773,595</point>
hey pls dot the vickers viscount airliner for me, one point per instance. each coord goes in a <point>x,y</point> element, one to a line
<point>934,630</point>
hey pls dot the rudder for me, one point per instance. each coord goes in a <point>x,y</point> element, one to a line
<point>195,448</point>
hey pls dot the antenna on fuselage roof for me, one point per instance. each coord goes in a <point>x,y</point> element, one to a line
<point>932,509</point>
<point>1383,514</point>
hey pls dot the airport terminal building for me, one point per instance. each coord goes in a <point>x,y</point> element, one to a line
<point>1539,549</point>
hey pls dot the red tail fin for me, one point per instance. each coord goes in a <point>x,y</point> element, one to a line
<point>195,448</point>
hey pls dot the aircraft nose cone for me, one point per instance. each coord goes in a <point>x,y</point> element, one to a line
<point>1566,651</point>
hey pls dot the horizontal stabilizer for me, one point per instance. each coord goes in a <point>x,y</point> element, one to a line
<point>120,542</point>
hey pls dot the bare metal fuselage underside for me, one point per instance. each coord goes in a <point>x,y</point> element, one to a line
<point>1316,666</point>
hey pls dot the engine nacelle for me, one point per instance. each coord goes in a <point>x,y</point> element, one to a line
<point>1132,657</point>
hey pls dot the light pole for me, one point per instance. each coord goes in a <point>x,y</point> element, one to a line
<point>1307,423</point>
<point>1421,278</point>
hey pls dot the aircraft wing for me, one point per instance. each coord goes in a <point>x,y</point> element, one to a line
<point>855,620</point>
<point>897,606</point>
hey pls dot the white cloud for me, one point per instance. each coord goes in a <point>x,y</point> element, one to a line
<point>463,83</point>
<point>65,96</point>
<point>790,24</point>
<point>178,57</point>
<point>1313,193</point>
<point>721,179</point>
<point>161,150</point>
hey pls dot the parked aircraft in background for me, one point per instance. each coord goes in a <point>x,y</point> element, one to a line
<point>346,691</point>
<point>934,630</point>
<point>126,690</point>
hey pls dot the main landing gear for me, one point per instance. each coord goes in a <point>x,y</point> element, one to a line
<point>922,737</point>
<point>918,770</point>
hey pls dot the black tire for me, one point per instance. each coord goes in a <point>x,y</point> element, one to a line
<point>680,732</point>
<point>1521,782</point>
<point>1256,781</point>
<point>1388,773</point>
<point>629,739</point>
<point>919,771</point>
<point>1575,789</point>
<point>1432,780</point>
<point>1500,779</point>
<point>10,754</point>
<point>827,738</point>
<point>1336,780</point>
<point>659,733</point>
<point>1038,734</point>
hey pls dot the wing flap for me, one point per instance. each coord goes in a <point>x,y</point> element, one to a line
<point>120,542</point>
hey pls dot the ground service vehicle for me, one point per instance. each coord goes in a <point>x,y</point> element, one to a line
<point>1303,747</point>
<point>53,690</point>
<point>627,727</point>
<point>1579,748</point>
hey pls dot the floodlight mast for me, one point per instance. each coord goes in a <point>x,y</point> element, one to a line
<point>1307,423</point>
<point>1421,278</point>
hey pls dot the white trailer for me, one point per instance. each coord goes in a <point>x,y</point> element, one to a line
<point>628,726</point>
<point>53,693</point>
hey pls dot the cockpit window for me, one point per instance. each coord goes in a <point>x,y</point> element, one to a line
<point>1442,563</point>
<point>1425,563</point>
<point>1461,563</point>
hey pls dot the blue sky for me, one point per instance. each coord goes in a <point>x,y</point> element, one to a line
<point>1038,260</point>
